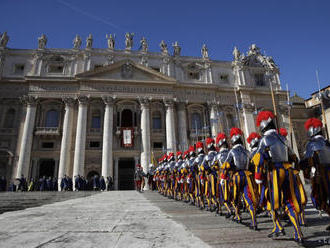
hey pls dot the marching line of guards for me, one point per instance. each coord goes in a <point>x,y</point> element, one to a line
<point>265,179</point>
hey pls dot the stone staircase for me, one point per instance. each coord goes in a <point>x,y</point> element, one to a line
<point>13,201</point>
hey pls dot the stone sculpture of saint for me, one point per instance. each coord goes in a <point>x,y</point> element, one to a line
<point>163,47</point>
<point>205,52</point>
<point>129,41</point>
<point>236,54</point>
<point>77,42</point>
<point>111,41</point>
<point>89,42</point>
<point>42,41</point>
<point>4,39</point>
<point>177,49</point>
<point>144,44</point>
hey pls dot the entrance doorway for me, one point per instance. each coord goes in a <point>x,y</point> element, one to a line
<point>47,168</point>
<point>126,170</point>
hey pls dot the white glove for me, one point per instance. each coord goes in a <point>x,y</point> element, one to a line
<point>222,182</point>
<point>202,182</point>
<point>181,181</point>
<point>313,170</point>
<point>188,180</point>
<point>258,181</point>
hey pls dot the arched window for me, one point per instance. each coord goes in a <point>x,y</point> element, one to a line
<point>9,118</point>
<point>156,120</point>
<point>51,118</point>
<point>196,121</point>
<point>96,119</point>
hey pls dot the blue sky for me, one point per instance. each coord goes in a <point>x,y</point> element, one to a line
<point>295,32</point>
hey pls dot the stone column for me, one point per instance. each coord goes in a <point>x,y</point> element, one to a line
<point>214,120</point>
<point>107,160</point>
<point>79,151</point>
<point>116,174</point>
<point>249,124</point>
<point>66,142</point>
<point>170,126</point>
<point>27,137</point>
<point>145,133</point>
<point>182,126</point>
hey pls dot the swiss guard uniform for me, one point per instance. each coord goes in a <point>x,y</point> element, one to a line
<point>192,174</point>
<point>253,140</point>
<point>177,177</point>
<point>282,184</point>
<point>200,178</point>
<point>138,177</point>
<point>317,160</point>
<point>209,169</point>
<point>221,141</point>
<point>184,175</point>
<point>172,171</point>
<point>237,161</point>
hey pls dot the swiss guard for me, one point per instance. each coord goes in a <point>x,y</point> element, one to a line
<point>316,161</point>
<point>282,184</point>
<point>192,174</point>
<point>238,161</point>
<point>200,178</point>
<point>223,199</point>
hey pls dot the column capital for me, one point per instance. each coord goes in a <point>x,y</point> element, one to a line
<point>83,100</point>
<point>108,100</point>
<point>169,103</point>
<point>144,102</point>
<point>29,100</point>
<point>212,104</point>
<point>248,107</point>
<point>68,101</point>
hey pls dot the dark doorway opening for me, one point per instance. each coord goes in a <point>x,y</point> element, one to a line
<point>91,175</point>
<point>126,170</point>
<point>126,118</point>
<point>47,168</point>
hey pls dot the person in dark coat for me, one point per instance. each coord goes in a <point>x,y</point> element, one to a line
<point>96,183</point>
<point>3,184</point>
<point>42,184</point>
<point>49,184</point>
<point>77,182</point>
<point>109,183</point>
<point>70,183</point>
<point>102,183</point>
<point>54,184</point>
<point>22,185</point>
<point>12,187</point>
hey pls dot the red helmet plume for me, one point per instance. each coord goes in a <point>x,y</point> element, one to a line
<point>220,137</point>
<point>313,122</point>
<point>191,149</point>
<point>264,116</point>
<point>283,132</point>
<point>170,155</point>
<point>253,136</point>
<point>185,154</point>
<point>178,153</point>
<point>199,144</point>
<point>235,131</point>
<point>209,141</point>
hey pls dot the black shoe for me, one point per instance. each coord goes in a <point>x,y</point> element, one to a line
<point>276,234</point>
<point>228,215</point>
<point>255,228</point>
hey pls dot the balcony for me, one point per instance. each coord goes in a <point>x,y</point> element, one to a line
<point>8,131</point>
<point>136,131</point>
<point>47,131</point>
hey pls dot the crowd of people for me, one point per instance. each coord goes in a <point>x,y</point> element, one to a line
<point>227,178</point>
<point>44,183</point>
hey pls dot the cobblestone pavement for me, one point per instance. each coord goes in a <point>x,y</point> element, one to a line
<point>109,219</point>
<point>217,231</point>
<point>132,219</point>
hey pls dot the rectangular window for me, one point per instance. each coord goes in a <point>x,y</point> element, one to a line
<point>55,68</point>
<point>156,123</point>
<point>194,75</point>
<point>157,145</point>
<point>94,144</point>
<point>259,77</point>
<point>19,69</point>
<point>96,122</point>
<point>155,68</point>
<point>98,66</point>
<point>224,78</point>
<point>47,145</point>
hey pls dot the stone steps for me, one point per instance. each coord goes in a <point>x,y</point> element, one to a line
<point>12,201</point>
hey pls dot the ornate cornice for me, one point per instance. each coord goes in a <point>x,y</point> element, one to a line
<point>83,100</point>
<point>68,101</point>
<point>108,100</point>
<point>29,100</point>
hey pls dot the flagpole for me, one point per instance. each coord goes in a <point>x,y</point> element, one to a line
<point>289,115</point>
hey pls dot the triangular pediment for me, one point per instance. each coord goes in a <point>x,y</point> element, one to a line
<point>125,70</point>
